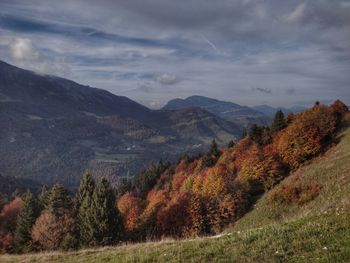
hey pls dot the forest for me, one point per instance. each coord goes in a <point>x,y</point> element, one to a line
<point>197,196</point>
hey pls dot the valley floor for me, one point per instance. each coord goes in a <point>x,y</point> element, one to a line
<point>318,231</point>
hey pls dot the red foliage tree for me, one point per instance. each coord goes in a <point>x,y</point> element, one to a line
<point>8,219</point>
<point>173,219</point>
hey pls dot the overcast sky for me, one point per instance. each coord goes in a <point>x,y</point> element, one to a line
<point>280,53</point>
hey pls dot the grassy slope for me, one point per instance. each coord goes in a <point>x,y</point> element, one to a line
<point>318,231</point>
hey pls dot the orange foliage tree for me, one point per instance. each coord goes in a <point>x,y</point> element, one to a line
<point>50,230</point>
<point>130,207</point>
<point>306,135</point>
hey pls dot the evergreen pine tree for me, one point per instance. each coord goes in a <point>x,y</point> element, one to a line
<point>25,221</point>
<point>231,144</point>
<point>87,187</point>
<point>211,157</point>
<point>106,215</point>
<point>59,201</point>
<point>83,204</point>
<point>44,197</point>
<point>214,150</point>
<point>279,122</point>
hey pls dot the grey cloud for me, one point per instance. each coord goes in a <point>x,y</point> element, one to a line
<point>216,48</point>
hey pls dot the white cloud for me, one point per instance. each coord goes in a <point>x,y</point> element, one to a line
<point>297,14</point>
<point>167,79</point>
<point>22,50</point>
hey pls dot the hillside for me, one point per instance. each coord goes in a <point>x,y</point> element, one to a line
<point>240,115</point>
<point>318,229</point>
<point>54,129</point>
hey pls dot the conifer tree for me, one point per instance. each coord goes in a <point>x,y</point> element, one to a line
<point>44,197</point>
<point>231,144</point>
<point>59,201</point>
<point>279,122</point>
<point>84,209</point>
<point>106,216</point>
<point>25,221</point>
<point>211,157</point>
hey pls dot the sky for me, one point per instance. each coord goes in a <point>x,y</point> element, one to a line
<point>280,53</point>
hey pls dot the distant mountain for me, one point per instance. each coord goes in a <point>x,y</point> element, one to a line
<point>242,116</point>
<point>270,111</point>
<point>53,129</point>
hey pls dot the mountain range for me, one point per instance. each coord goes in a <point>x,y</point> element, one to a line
<point>53,129</point>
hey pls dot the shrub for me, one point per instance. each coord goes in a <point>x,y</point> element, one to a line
<point>294,194</point>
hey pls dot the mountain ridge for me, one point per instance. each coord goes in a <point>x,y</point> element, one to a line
<point>58,129</point>
<point>235,113</point>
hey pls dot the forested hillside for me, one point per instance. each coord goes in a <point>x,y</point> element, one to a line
<point>198,196</point>
<point>303,217</point>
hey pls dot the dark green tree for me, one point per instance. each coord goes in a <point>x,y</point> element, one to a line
<point>107,219</point>
<point>279,123</point>
<point>211,157</point>
<point>148,177</point>
<point>59,201</point>
<point>25,220</point>
<point>84,208</point>
<point>256,134</point>
<point>44,197</point>
<point>231,144</point>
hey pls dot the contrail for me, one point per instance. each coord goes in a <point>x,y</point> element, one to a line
<point>210,43</point>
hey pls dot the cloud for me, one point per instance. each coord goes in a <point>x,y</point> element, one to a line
<point>297,14</point>
<point>167,79</point>
<point>215,48</point>
<point>263,90</point>
<point>22,50</point>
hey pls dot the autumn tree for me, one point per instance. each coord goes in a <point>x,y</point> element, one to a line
<point>174,218</point>
<point>306,135</point>
<point>340,109</point>
<point>50,230</point>
<point>8,217</point>
<point>130,208</point>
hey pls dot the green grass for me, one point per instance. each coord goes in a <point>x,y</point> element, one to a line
<point>318,231</point>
